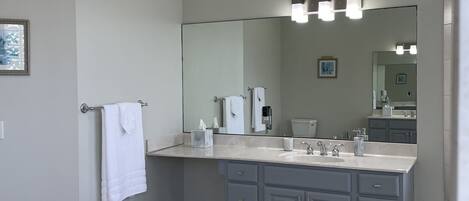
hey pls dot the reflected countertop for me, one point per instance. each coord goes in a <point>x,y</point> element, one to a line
<point>382,163</point>
<point>392,117</point>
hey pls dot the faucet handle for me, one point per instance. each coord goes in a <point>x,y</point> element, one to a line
<point>336,149</point>
<point>309,148</point>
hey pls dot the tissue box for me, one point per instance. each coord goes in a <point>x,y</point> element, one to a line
<point>202,138</point>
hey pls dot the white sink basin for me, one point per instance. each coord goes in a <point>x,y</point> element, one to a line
<point>311,158</point>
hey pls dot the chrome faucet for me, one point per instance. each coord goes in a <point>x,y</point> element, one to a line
<point>309,148</point>
<point>322,148</point>
<point>336,150</point>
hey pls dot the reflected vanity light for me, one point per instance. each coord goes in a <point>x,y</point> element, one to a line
<point>354,9</point>
<point>402,48</point>
<point>298,11</point>
<point>326,11</point>
<point>413,49</point>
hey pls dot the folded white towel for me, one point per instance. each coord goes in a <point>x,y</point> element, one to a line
<point>258,101</point>
<point>123,157</point>
<point>128,114</point>
<point>233,114</point>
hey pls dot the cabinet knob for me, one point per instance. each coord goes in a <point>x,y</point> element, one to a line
<point>377,186</point>
<point>240,173</point>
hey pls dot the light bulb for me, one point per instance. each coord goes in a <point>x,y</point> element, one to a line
<point>413,49</point>
<point>354,9</point>
<point>302,19</point>
<point>326,11</point>
<point>297,10</point>
<point>400,50</point>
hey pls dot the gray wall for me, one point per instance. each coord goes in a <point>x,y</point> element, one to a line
<point>399,92</point>
<point>344,103</point>
<point>213,66</point>
<point>429,169</point>
<point>39,156</point>
<point>262,64</point>
<point>129,50</point>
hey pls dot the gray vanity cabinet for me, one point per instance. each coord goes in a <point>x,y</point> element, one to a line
<point>282,194</point>
<point>392,130</point>
<point>250,181</point>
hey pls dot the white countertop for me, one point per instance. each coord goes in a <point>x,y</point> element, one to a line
<point>382,163</point>
<point>392,117</point>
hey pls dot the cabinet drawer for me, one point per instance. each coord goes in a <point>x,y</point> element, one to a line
<point>374,123</point>
<point>400,136</point>
<point>242,172</point>
<point>314,196</point>
<point>306,178</point>
<point>377,135</point>
<point>403,124</point>
<point>281,194</point>
<point>378,184</point>
<point>372,199</point>
<point>242,192</point>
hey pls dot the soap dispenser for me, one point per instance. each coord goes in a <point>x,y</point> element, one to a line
<point>359,141</point>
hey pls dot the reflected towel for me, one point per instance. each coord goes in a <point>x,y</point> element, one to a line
<point>233,114</point>
<point>258,101</point>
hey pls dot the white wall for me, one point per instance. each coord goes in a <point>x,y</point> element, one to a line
<point>130,50</point>
<point>39,156</point>
<point>343,103</point>
<point>429,169</point>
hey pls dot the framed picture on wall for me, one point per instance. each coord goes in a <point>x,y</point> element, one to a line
<point>401,78</point>
<point>14,47</point>
<point>327,67</point>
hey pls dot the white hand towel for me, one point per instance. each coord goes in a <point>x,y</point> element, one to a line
<point>128,113</point>
<point>233,114</point>
<point>258,101</point>
<point>123,157</point>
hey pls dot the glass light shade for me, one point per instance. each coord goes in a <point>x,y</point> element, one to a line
<point>354,9</point>
<point>302,19</point>
<point>297,11</point>
<point>400,50</point>
<point>326,11</point>
<point>413,49</point>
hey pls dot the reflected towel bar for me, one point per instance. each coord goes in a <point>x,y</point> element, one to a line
<point>216,98</point>
<point>84,108</point>
<point>252,88</point>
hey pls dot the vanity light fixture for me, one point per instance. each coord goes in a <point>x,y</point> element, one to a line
<point>326,11</point>
<point>354,9</point>
<point>401,48</point>
<point>299,11</point>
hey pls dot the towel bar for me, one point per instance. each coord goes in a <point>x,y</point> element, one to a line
<point>84,108</point>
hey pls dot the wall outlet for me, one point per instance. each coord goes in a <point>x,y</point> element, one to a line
<point>2,130</point>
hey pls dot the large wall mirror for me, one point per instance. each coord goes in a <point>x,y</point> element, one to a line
<point>316,80</point>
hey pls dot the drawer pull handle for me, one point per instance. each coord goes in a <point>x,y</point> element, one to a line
<point>240,173</point>
<point>377,186</point>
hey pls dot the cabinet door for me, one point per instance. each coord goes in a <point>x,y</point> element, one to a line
<point>377,135</point>
<point>399,136</point>
<point>314,196</point>
<point>413,137</point>
<point>242,192</point>
<point>281,194</point>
